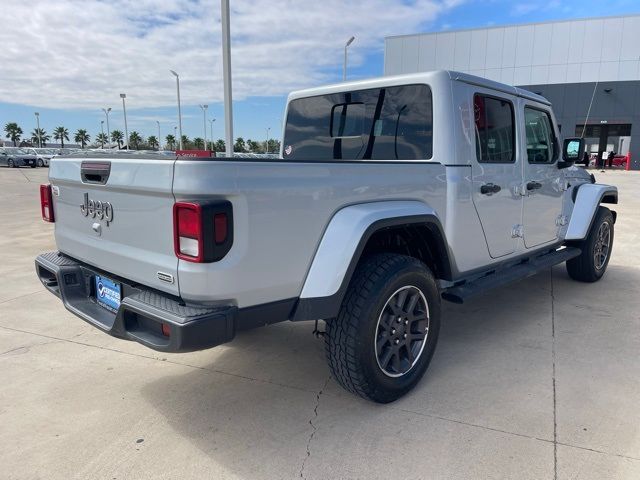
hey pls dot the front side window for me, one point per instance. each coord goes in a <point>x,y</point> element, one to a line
<point>540,136</point>
<point>390,123</point>
<point>495,130</point>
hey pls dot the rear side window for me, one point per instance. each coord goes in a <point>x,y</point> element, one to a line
<point>540,137</point>
<point>495,131</point>
<point>391,123</point>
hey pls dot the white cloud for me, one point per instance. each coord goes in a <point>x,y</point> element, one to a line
<point>83,53</point>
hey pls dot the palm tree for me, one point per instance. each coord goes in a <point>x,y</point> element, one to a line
<point>153,142</point>
<point>82,137</point>
<point>117,136</point>
<point>102,138</point>
<point>240,145</point>
<point>171,141</point>
<point>220,145</point>
<point>135,139</point>
<point>39,136</point>
<point>14,132</point>
<point>198,143</point>
<point>62,134</point>
<point>186,143</point>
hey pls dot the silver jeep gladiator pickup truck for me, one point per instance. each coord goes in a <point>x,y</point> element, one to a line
<point>389,195</point>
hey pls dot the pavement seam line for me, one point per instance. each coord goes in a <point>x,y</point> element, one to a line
<point>313,426</point>
<point>553,359</point>
<point>21,296</point>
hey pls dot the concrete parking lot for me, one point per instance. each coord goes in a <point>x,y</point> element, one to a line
<point>538,380</point>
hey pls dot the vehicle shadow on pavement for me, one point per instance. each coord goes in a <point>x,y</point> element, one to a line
<point>253,406</point>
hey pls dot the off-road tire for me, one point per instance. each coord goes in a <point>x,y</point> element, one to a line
<point>350,339</point>
<point>583,268</point>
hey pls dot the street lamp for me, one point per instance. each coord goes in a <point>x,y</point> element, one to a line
<point>204,123</point>
<point>175,136</point>
<point>226,76</point>
<point>211,122</point>
<point>126,130</point>
<point>38,126</point>
<point>266,147</point>
<point>106,112</point>
<point>344,67</point>
<point>102,130</point>
<point>179,112</point>
<point>159,137</point>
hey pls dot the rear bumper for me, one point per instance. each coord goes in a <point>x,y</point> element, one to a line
<point>142,312</point>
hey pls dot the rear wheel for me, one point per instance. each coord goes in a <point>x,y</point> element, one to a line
<point>382,341</point>
<point>591,264</point>
<point>40,163</point>
<point>11,163</point>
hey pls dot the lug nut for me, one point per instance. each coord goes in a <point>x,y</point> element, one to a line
<point>399,319</point>
<point>406,322</point>
<point>404,336</point>
<point>393,331</point>
<point>396,341</point>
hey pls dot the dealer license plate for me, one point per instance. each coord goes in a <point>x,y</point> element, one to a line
<point>108,293</point>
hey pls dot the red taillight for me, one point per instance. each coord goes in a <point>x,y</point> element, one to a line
<point>187,225</point>
<point>46,203</point>
<point>202,232</point>
<point>220,227</point>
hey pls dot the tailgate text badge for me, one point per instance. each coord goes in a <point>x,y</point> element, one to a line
<point>97,209</point>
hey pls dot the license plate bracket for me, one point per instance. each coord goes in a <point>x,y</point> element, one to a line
<point>108,293</point>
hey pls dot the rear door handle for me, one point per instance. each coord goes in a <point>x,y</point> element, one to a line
<point>489,189</point>
<point>533,186</point>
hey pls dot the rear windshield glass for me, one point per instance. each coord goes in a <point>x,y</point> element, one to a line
<point>391,123</point>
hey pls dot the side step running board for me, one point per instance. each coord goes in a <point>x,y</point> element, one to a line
<point>528,268</point>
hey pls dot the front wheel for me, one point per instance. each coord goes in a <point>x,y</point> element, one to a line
<point>380,344</point>
<point>40,162</point>
<point>591,264</point>
<point>11,163</point>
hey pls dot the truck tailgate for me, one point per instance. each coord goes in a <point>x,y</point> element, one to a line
<point>135,239</point>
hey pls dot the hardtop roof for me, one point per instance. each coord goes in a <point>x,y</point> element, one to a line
<point>424,77</point>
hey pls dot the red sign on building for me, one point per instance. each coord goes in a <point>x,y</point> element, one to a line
<point>194,153</point>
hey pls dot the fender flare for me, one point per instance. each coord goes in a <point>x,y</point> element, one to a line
<point>342,244</point>
<point>589,196</point>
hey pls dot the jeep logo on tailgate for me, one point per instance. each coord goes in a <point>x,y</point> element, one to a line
<point>96,208</point>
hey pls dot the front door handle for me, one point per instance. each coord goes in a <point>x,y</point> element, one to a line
<point>489,189</point>
<point>533,186</point>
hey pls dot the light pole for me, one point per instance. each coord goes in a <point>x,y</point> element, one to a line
<point>226,76</point>
<point>38,126</point>
<point>204,123</point>
<point>102,130</point>
<point>344,67</point>
<point>211,122</point>
<point>159,137</point>
<point>106,112</point>
<point>175,136</point>
<point>124,109</point>
<point>179,112</point>
<point>266,147</point>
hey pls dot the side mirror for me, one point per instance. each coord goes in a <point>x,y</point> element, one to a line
<point>572,151</point>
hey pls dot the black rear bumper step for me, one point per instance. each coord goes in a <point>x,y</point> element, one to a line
<point>527,268</point>
<point>141,313</point>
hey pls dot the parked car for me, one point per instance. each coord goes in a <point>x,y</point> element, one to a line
<point>17,157</point>
<point>43,155</point>
<point>389,196</point>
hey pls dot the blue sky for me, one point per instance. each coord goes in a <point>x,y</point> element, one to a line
<point>87,58</point>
